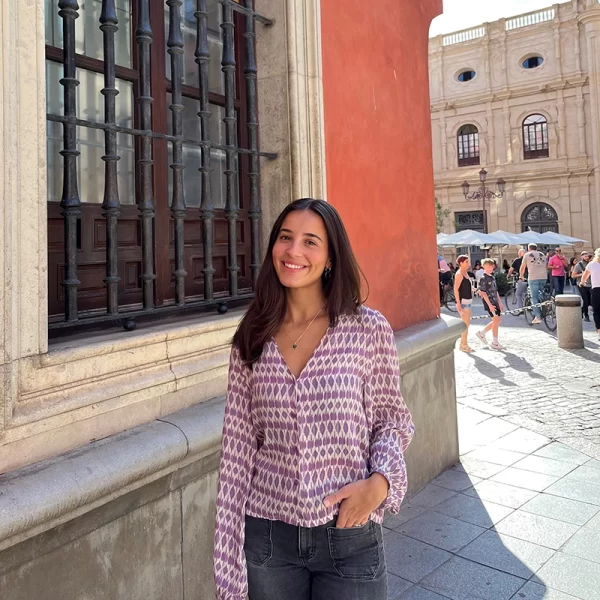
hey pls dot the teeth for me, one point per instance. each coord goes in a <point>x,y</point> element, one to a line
<point>293,266</point>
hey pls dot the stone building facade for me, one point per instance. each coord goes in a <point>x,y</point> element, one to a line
<point>520,97</point>
<point>110,434</point>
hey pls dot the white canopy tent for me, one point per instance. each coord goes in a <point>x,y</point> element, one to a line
<point>469,238</point>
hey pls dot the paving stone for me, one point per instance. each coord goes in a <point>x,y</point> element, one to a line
<point>537,482</point>
<point>461,579</point>
<point>576,490</point>
<point>407,512</point>
<point>473,510</point>
<point>479,468</point>
<point>547,466</point>
<point>594,523</point>
<point>522,440</point>
<point>559,451</point>
<point>500,493</point>
<point>411,559</point>
<point>508,554</point>
<point>536,591</point>
<point>536,529</point>
<point>492,429</point>
<point>571,575</point>
<point>418,593</point>
<point>431,495</point>
<point>586,473</point>
<point>496,456</point>
<point>396,586</point>
<point>453,480</point>
<point>441,531</point>
<point>561,509</point>
<point>470,416</point>
<point>585,544</point>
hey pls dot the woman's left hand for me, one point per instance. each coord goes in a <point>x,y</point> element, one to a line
<point>358,500</point>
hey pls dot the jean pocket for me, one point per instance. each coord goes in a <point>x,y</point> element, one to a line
<point>356,551</point>
<point>258,545</point>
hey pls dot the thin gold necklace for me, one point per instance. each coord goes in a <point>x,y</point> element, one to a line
<point>295,344</point>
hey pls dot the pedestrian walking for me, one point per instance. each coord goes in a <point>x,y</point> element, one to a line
<point>558,264</point>
<point>592,271</point>
<point>488,290</point>
<point>521,287</point>
<point>445,276</point>
<point>315,426</point>
<point>463,293</point>
<point>585,289</point>
<point>536,265</point>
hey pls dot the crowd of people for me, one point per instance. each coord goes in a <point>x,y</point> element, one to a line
<point>532,270</point>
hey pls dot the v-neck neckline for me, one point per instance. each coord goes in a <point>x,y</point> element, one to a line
<point>328,331</point>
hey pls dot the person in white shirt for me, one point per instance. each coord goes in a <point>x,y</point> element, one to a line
<point>593,271</point>
<point>537,266</point>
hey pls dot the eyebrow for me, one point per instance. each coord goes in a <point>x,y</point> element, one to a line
<point>310,235</point>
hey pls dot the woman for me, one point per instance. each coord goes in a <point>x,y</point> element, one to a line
<point>505,266</point>
<point>463,292</point>
<point>570,274</point>
<point>315,426</point>
<point>593,270</point>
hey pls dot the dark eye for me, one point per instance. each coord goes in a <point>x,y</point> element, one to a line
<point>311,242</point>
<point>283,236</point>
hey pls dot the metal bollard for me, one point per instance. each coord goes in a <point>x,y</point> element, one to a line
<point>569,321</point>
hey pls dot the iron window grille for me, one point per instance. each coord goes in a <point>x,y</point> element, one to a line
<point>469,220</point>
<point>467,140</point>
<point>150,87</point>
<point>535,137</point>
<point>539,217</point>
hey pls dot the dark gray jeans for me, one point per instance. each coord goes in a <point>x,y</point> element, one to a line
<point>314,563</point>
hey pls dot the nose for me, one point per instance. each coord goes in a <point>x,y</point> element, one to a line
<point>294,250</point>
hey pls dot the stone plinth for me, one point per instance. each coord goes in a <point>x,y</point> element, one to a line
<point>568,318</point>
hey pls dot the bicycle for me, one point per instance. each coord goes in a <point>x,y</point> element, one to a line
<point>548,309</point>
<point>448,299</point>
<point>512,291</point>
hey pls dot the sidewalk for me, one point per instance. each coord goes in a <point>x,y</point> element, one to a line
<point>519,516</point>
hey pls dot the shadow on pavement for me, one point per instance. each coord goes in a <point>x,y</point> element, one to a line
<point>490,370</point>
<point>443,544</point>
<point>586,354</point>
<point>518,363</point>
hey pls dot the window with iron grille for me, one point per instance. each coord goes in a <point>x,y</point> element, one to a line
<point>153,158</point>
<point>539,217</point>
<point>468,146</point>
<point>472,220</point>
<point>535,137</point>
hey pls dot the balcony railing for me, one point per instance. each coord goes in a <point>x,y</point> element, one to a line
<point>534,18</point>
<point>464,36</point>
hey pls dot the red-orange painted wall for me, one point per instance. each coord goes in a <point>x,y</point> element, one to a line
<point>378,147</point>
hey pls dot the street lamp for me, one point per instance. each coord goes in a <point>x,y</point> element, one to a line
<point>484,193</point>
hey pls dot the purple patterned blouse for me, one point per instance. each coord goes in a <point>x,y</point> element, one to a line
<point>288,442</point>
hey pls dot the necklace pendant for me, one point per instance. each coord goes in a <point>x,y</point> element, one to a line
<point>294,346</point>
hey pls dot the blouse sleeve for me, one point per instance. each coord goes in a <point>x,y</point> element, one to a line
<point>238,452</point>
<point>392,427</point>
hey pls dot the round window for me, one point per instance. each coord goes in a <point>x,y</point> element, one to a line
<point>466,75</point>
<point>532,62</point>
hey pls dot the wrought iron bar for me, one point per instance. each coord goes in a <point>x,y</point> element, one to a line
<point>151,134</point>
<point>70,201</point>
<point>250,74</point>
<point>235,5</point>
<point>207,213</point>
<point>230,120</point>
<point>110,205</point>
<point>175,50</point>
<point>143,37</point>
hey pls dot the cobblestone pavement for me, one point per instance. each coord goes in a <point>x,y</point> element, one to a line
<point>533,383</point>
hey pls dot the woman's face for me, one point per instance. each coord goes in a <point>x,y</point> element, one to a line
<point>301,251</point>
<point>465,264</point>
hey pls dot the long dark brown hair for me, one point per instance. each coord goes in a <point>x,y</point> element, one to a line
<point>342,288</point>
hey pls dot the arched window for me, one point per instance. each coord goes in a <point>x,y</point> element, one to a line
<point>468,146</point>
<point>539,217</point>
<point>535,137</point>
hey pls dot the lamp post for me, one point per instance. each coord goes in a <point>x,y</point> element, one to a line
<point>484,193</point>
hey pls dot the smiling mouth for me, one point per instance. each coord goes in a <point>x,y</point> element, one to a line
<point>293,267</point>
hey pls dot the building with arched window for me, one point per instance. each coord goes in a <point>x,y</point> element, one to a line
<point>518,98</point>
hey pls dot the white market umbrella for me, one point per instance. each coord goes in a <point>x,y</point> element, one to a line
<point>533,237</point>
<point>558,238</point>
<point>441,237</point>
<point>472,238</point>
<point>510,239</point>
